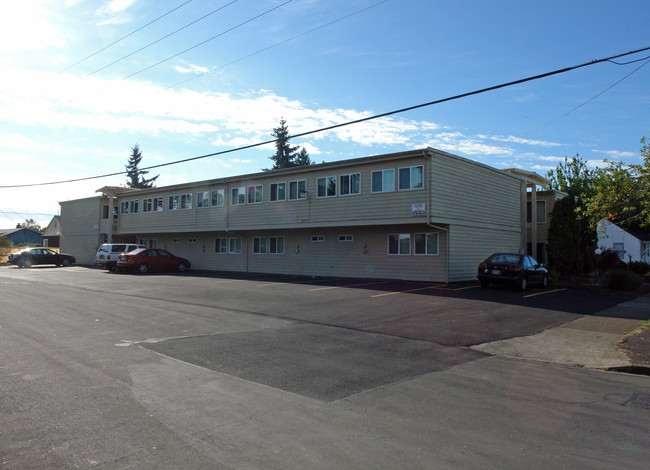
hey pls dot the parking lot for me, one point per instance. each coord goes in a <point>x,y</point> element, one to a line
<point>263,371</point>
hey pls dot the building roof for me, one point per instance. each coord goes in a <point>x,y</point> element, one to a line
<point>528,176</point>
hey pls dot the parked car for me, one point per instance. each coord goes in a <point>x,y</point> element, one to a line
<point>151,259</point>
<point>39,255</point>
<point>107,253</point>
<point>511,268</point>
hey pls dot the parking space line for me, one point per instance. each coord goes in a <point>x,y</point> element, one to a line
<point>466,287</point>
<point>438,286</point>
<point>544,292</point>
<point>348,285</point>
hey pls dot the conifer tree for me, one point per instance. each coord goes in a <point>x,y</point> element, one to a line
<point>135,176</point>
<point>285,154</point>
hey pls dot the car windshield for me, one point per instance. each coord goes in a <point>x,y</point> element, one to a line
<point>504,259</point>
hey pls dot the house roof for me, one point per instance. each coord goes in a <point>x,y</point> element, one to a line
<point>642,235</point>
<point>9,231</point>
<point>528,176</point>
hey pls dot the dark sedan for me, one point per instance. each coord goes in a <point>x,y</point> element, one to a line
<point>151,259</point>
<point>514,269</point>
<point>32,256</point>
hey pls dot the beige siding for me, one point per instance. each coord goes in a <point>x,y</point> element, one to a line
<point>80,228</point>
<point>469,245</point>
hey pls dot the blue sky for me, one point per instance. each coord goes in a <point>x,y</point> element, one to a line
<point>311,63</point>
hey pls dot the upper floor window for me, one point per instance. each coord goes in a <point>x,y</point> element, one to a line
<point>203,199</point>
<point>186,201</point>
<point>411,178</point>
<point>124,207</point>
<point>218,198</point>
<point>278,191</point>
<point>383,181</point>
<point>238,196</point>
<point>255,194</point>
<point>326,187</point>
<point>152,204</point>
<point>298,190</point>
<point>134,206</point>
<point>174,203</point>
<point>541,212</point>
<point>350,184</point>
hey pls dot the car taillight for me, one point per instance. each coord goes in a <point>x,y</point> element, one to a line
<point>513,269</point>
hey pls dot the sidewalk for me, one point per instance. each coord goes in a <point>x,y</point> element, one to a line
<point>588,342</point>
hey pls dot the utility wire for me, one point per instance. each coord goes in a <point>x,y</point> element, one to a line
<point>348,123</point>
<point>595,96</point>
<point>277,44</point>
<point>208,40</point>
<point>162,38</point>
<point>124,37</point>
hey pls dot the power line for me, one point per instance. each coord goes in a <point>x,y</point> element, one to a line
<point>348,123</point>
<point>124,37</point>
<point>208,40</point>
<point>162,38</point>
<point>278,44</point>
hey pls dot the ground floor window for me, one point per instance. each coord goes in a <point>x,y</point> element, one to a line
<point>259,245</point>
<point>234,245</point>
<point>276,245</point>
<point>426,243</point>
<point>220,245</point>
<point>399,244</point>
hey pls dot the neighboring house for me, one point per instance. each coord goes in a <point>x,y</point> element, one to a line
<point>545,201</point>
<point>52,233</point>
<point>629,245</point>
<point>22,236</point>
<point>418,215</point>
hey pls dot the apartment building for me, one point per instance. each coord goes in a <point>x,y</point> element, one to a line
<point>418,215</point>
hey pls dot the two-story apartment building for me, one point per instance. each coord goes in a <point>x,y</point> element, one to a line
<point>417,215</point>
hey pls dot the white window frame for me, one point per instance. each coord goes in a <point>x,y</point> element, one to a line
<point>274,192</point>
<point>174,203</point>
<point>327,188</point>
<point>203,199</point>
<point>410,170</point>
<point>346,238</point>
<point>223,245</point>
<point>176,240</point>
<point>299,195</point>
<point>219,195</point>
<point>400,238</point>
<point>147,204</point>
<point>384,187</point>
<point>260,246</point>
<point>134,205</point>
<point>276,245</point>
<point>255,194</point>
<point>186,201</point>
<point>235,245</point>
<point>124,207</point>
<point>427,236</point>
<point>318,238</point>
<point>238,196</point>
<point>346,188</point>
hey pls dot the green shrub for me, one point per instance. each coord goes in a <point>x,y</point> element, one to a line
<point>639,267</point>
<point>622,279</point>
<point>608,259</point>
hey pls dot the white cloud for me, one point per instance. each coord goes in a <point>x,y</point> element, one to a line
<point>191,68</point>
<point>24,25</point>
<point>519,140</point>
<point>616,154</point>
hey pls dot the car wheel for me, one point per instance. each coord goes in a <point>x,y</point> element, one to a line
<point>544,282</point>
<point>65,262</point>
<point>143,268</point>
<point>181,267</point>
<point>27,263</point>
<point>522,284</point>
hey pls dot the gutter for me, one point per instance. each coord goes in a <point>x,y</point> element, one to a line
<point>427,176</point>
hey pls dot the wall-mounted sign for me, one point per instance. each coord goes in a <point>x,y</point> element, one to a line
<point>417,210</point>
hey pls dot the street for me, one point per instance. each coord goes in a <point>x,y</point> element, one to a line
<point>210,371</point>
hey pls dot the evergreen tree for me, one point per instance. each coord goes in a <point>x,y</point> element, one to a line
<point>135,176</point>
<point>285,154</point>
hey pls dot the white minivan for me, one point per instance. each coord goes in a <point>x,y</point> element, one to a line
<point>107,253</point>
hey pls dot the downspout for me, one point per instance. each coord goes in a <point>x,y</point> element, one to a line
<point>427,184</point>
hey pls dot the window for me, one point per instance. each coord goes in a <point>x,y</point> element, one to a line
<point>218,198</point>
<point>350,184</point>
<point>383,181</point>
<point>186,201</point>
<point>147,205</point>
<point>399,244</point>
<point>203,199</point>
<point>104,212</point>
<point>278,191</point>
<point>426,243</point>
<point>220,245</point>
<point>158,204</point>
<point>134,206</point>
<point>234,245</point>
<point>191,240</point>
<point>326,187</point>
<point>174,203</point>
<point>411,178</point>
<point>238,196</point>
<point>255,194</point>
<point>298,190</point>
<point>541,212</point>
<point>124,207</point>
<point>619,249</point>
<point>259,245</point>
<point>346,238</point>
<point>176,240</point>
<point>276,245</point>
<point>318,238</point>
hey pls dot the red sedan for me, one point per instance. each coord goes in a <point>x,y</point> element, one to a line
<point>151,259</point>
